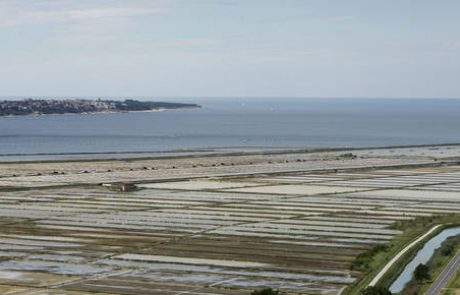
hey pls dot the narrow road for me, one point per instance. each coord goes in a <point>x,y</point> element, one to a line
<point>445,276</point>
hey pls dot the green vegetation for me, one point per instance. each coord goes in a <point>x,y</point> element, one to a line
<point>363,261</point>
<point>372,261</point>
<point>455,283</point>
<point>422,273</point>
<point>425,274</point>
<point>267,291</point>
<point>375,291</point>
<point>449,246</point>
<point>348,156</point>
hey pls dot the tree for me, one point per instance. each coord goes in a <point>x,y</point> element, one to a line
<point>447,249</point>
<point>422,273</point>
<point>267,291</point>
<point>375,291</point>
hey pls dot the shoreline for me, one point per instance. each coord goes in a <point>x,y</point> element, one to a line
<point>209,152</point>
<point>101,112</point>
<point>283,149</point>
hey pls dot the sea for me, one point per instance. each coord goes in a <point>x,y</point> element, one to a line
<point>239,123</point>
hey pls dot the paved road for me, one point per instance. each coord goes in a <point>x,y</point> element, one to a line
<point>444,277</point>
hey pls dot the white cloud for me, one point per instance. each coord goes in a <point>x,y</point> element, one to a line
<point>16,13</point>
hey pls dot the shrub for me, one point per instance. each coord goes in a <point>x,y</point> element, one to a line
<point>267,291</point>
<point>375,291</point>
<point>422,273</point>
<point>362,261</point>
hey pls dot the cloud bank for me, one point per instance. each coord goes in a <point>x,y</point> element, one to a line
<point>21,13</point>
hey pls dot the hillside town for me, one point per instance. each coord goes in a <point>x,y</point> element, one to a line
<point>81,106</point>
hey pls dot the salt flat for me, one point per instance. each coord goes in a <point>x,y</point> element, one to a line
<point>295,189</point>
<point>296,226</point>
<point>198,185</point>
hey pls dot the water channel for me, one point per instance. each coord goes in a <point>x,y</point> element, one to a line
<point>422,257</point>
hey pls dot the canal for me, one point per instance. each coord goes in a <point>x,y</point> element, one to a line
<point>422,257</point>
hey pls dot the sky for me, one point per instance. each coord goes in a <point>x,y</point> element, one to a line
<point>230,48</point>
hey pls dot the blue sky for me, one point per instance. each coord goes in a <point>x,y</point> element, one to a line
<point>277,48</point>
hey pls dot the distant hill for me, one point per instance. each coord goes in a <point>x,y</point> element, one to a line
<point>81,106</point>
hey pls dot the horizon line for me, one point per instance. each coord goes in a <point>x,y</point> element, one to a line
<point>213,97</point>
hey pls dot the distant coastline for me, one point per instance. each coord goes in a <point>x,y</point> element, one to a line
<point>36,107</point>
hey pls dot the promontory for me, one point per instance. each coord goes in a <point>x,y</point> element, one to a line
<point>82,106</point>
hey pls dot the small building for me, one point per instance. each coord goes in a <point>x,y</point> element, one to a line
<point>125,186</point>
<point>121,186</point>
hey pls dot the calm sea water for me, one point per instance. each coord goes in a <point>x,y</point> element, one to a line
<point>240,123</point>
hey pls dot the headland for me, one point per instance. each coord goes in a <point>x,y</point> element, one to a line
<point>82,106</point>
